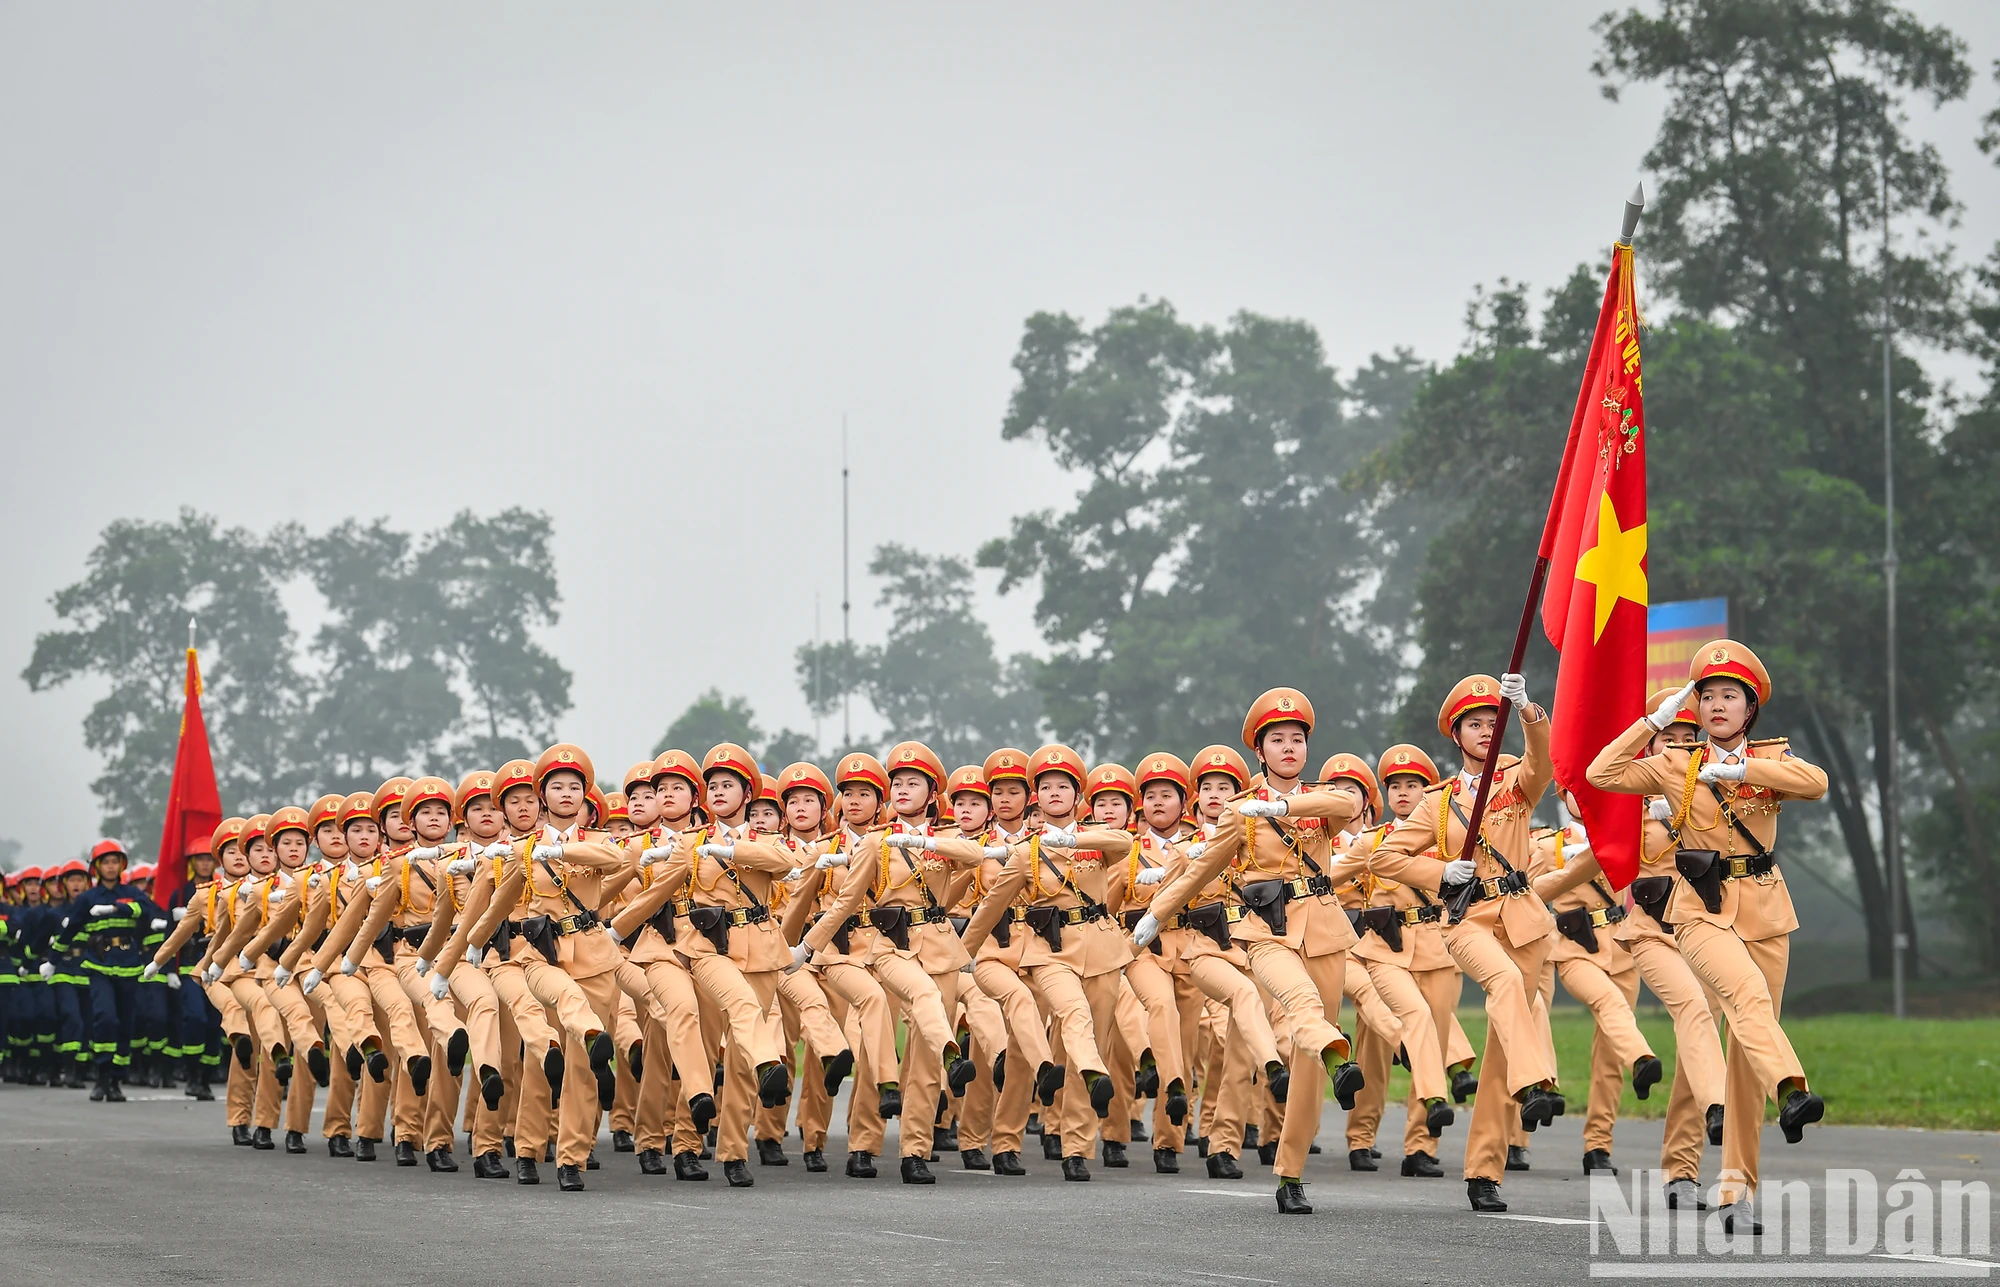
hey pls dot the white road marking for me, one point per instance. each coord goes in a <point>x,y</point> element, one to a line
<point>1225,1193</point>
<point>1235,1278</point>
<point>894,1233</point>
<point>1528,1219</point>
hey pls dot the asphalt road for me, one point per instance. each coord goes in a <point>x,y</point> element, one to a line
<point>152,1191</point>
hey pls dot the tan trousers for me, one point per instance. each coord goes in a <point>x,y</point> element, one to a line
<point>229,1011</point>
<point>1243,1046</point>
<point>578,1117</point>
<point>680,1042</point>
<point>338,1119</point>
<point>1027,1050</point>
<point>393,1010</point>
<point>1085,1012</point>
<point>985,1025</point>
<point>626,1033</point>
<point>350,998</point>
<point>925,1001</point>
<point>1616,1044</point>
<point>1749,980</point>
<point>1518,1045</point>
<point>742,1003</point>
<point>1303,986</point>
<point>1698,1067</point>
<point>529,1114</point>
<point>769,1121</point>
<point>1158,991</point>
<point>866,1130</point>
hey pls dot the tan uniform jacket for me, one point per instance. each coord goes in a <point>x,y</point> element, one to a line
<point>758,866</point>
<point>1572,885</point>
<point>1756,907</point>
<point>1051,877</point>
<point>880,876</point>
<point>1423,942</point>
<point>525,887</point>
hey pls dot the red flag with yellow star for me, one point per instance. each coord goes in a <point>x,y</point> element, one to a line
<point>194,806</point>
<point>1594,610</point>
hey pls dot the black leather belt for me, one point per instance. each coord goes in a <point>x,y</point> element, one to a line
<point>1422,915</point>
<point>1748,865</point>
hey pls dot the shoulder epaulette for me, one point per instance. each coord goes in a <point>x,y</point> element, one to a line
<point>1770,741</point>
<point>1440,786</point>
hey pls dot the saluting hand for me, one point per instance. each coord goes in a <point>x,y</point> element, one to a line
<point>1723,772</point>
<point>831,860</point>
<point>1058,837</point>
<point>1669,707</point>
<point>724,852</point>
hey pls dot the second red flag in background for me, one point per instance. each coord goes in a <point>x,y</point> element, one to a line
<point>1594,609</point>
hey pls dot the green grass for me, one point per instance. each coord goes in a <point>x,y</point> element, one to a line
<point>1942,1074</point>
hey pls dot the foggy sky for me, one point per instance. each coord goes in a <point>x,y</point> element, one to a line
<point>630,265</point>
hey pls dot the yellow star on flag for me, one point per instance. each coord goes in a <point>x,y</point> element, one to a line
<point>1613,565</point>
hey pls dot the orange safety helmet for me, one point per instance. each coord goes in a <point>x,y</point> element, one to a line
<point>231,830</point>
<point>807,776</point>
<point>1007,762</point>
<point>74,867</point>
<point>1685,715</point>
<point>678,764</point>
<point>1221,759</point>
<point>1278,706</point>
<point>564,755</point>
<point>969,777</point>
<point>1474,692</point>
<point>1404,759</point>
<point>289,818</point>
<point>357,806</point>
<point>514,773</point>
<point>26,873</point>
<point>196,847</point>
<point>324,809</point>
<point>144,871</point>
<point>1112,777</point>
<point>103,847</point>
<point>423,789</point>
<point>859,766</point>
<point>1056,758</point>
<point>1727,659</point>
<point>389,796</point>
<point>733,758</point>
<point>1354,769</point>
<point>475,784</point>
<point>915,755</point>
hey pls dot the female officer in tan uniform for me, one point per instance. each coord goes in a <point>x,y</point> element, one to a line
<point>1731,913</point>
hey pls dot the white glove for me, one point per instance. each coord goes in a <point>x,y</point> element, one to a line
<point>473,954</point>
<point>374,883</point>
<point>1146,930</point>
<point>159,922</point>
<point>905,840</point>
<point>460,867</point>
<point>348,965</point>
<point>724,852</point>
<point>212,973</point>
<point>1514,689</point>
<point>549,853</point>
<point>312,881</point>
<point>1669,707</point>
<point>180,913</point>
<point>611,933</point>
<point>658,853</point>
<point>1264,808</point>
<point>1571,851</point>
<point>245,964</point>
<point>499,849</point>
<point>1196,850</point>
<point>424,854</point>
<point>103,909</point>
<point>1058,837</point>
<point>174,981</point>
<point>1152,875</point>
<point>309,982</point>
<point>152,968</point>
<point>800,955</point>
<point>423,967</point>
<point>1460,870</point>
<point>281,976</point>
<point>440,985</point>
<point>1723,772</point>
<point>794,874</point>
<point>831,860</point>
<point>48,969</point>
<point>995,851</point>
<point>1661,810</point>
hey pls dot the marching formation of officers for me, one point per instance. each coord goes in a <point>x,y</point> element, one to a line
<point>1054,945</point>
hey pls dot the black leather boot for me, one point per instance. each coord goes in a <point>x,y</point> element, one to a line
<point>1114,1154</point>
<point>774,1086</point>
<point>702,1109</point>
<point>1359,1160</point>
<point>1222,1166</point>
<point>1347,1083</point>
<point>260,1139</point>
<point>569,1179</point>
<point>1437,1117</point>
<point>378,1066</point>
<point>1646,1074</point>
<point>1484,1195</point>
<point>1715,1123</point>
<point>364,1149</point>
<point>1538,1108</point>
<point>420,1074</point>
<point>946,1140</point>
<point>1597,1161</point>
<point>1422,1166</point>
<point>737,1172</point>
<point>1051,1147</point>
<point>1463,1085</point>
<point>652,1161</point>
<point>240,1135</point>
<point>406,1153</point>
<point>890,1102</point>
<point>917,1171</point>
<point>837,1070</point>
<point>339,1146</point>
<point>488,1166</point>
<point>295,1142</point>
<point>1517,1157</point>
<point>1730,1222</point>
<point>687,1166</point>
<point>492,1088</point>
<point>526,1172</point>
<point>1074,1169</point>
<point>621,1141</point>
<point>974,1159</point>
<point>441,1159</point>
<point>772,1153</point>
<point>1278,1080</point>
<point>815,1161</point>
<point>1802,1108</point>
<point>1008,1163</point>
<point>1268,1153</point>
<point>1292,1199</point>
<point>1177,1104</point>
<point>860,1165</point>
<point>1166,1162</point>
<point>319,1066</point>
<point>1048,1080</point>
<point>455,1052</point>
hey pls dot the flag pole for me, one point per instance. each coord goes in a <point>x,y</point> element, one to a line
<point>1635,205</point>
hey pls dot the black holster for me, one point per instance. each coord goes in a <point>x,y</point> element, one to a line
<point>663,921</point>
<point>1212,920</point>
<point>540,932</point>
<point>1386,923</point>
<point>1458,899</point>
<point>1575,926</point>
<point>1048,922</point>
<point>712,923</point>
<point>1355,919</point>
<point>1131,921</point>
<point>502,941</point>
<point>894,922</point>
<point>1702,870</point>
<point>1651,894</point>
<point>840,936</point>
<point>958,924</point>
<point>1267,898</point>
<point>1003,929</point>
<point>385,944</point>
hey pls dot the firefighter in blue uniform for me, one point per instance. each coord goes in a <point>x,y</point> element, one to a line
<point>61,968</point>
<point>33,1034</point>
<point>194,1029</point>
<point>109,920</point>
